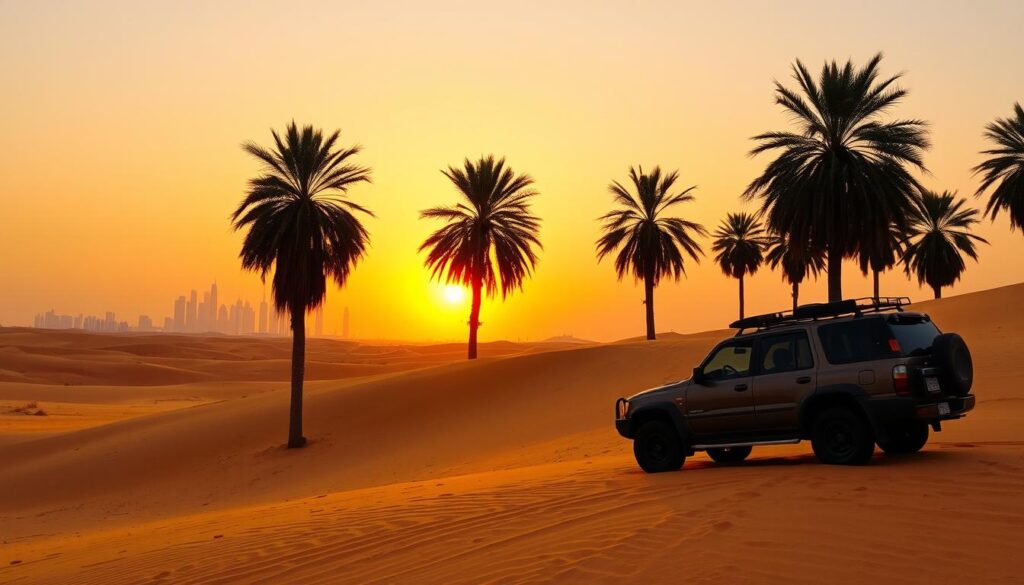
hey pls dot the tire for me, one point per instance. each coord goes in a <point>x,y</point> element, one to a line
<point>904,438</point>
<point>729,454</point>
<point>956,368</point>
<point>841,436</point>
<point>657,447</point>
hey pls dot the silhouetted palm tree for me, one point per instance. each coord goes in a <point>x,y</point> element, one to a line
<point>739,241</point>
<point>489,238</point>
<point>939,238</point>
<point>797,264</point>
<point>1004,169</point>
<point>882,251</point>
<point>650,244</point>
<point>301,225</point>
<point>842,175</point>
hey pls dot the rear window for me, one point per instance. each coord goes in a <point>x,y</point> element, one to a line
<point>914,333</point>
<point>859,340</point>
<point>863,340</point>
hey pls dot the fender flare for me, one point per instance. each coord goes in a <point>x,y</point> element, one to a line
<point>849,391</point>
<point>662,409</point>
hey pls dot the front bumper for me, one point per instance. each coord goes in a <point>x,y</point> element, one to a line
<point>622,424</point>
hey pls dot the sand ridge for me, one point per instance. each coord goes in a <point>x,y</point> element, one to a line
<point>503,470</point>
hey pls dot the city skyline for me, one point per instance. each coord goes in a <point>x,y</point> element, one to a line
<point>190,315</point>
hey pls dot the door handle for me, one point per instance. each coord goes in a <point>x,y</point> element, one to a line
<point>803,380</point>
<point>740,387</point>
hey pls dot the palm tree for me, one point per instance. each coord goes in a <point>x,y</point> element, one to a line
<point>796,263</point>
<point>882,251</point>
<point>1005,166</point>
<point>301,225</point>
<point>739,241</point>
<point>489,238</point>
<point>650,243</point>
<point>842,175</point>
<point>939,238</point>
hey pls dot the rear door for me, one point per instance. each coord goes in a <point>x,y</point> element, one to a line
<point>723,403</point>
<point>784,372</point>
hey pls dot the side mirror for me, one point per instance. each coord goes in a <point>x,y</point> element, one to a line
<point>698,376</point>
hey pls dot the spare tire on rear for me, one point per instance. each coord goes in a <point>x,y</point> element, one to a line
<point>956,369</point>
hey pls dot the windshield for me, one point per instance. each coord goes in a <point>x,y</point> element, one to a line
<point>915,334</point>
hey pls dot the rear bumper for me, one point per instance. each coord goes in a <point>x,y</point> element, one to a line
<point>895,408</point>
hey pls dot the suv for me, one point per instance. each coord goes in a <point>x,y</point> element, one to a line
<point>845,375</point>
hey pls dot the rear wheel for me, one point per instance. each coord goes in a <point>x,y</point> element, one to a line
<point>657,447</point>
<point>729,454</point>
<point>842,437</point>
<point>907,437</point>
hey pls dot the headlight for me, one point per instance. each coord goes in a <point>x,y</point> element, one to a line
<point>621,407</point>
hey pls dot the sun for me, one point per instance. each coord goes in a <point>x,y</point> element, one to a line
<point>454,294</point>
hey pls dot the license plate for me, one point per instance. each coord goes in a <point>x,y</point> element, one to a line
<point>943,408</point>
<point>933,386</point>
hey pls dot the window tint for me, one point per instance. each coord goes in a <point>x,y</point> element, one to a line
<point>859,340</point>
<point>915,334</point>
<point>730,361</point>
<point>784,353</point>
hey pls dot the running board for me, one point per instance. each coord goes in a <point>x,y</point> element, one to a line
<point>745,444</point>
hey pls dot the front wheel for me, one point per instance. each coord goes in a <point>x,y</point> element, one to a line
<point>841,436</point>
<point>657,447</point>
<point>729,454</point>
<point>905,438</point>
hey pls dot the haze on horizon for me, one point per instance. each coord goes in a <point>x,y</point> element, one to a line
<point>122,122</point>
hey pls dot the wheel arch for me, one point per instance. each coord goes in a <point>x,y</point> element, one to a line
<point>660,411</point>
<point>842,395</point>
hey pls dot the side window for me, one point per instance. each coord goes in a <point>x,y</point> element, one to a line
<point>784,353</point>
<point>859,340</point>
<point>729,361</point>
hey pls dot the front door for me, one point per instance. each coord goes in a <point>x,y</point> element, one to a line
<point>723,402</point>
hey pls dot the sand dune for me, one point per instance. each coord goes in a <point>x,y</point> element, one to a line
<point>503,470</point>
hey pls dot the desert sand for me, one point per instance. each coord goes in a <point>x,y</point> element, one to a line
<point>160,460</point>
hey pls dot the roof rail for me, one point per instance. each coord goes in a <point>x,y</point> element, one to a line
<point>816,311</point>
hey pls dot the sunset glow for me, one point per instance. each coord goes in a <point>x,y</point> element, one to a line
<point>121,158</point>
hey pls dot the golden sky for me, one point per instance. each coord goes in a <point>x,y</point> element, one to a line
<point>121,122</point>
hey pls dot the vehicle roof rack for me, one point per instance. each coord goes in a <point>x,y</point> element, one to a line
<point>817,311</point>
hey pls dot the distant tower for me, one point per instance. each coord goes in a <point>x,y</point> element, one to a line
<point>192,311</point>
<point>222,319</point>
<point>344,324</point>
<point>179,314</point>
<point>213,307</point>
<point>318,322</point>
<point>263,316</point>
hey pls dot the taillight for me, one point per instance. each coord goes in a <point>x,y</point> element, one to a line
<point>901,380</point>
<point>894,345</point>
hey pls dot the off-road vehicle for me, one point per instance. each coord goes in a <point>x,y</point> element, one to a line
<point>845,375</point>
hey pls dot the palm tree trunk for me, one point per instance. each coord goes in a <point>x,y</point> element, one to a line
<point>649,305</point>
<point>295,438</point>
<point>796,295</point>
<point>741,297</point>
<point>835,274</point>
<point>938,291</point>
<point>474,316</point>
<point>877,274</point>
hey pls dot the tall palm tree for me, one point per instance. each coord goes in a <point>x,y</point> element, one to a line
<point>489,239</point>
<point>882,251</point>
<point>1005,166</point>
<point>301,225</point>
<point>796,264</point>
<point>842,175</point>
<point>739,241</point>
<point>939,238</point>
<point>650,243</point>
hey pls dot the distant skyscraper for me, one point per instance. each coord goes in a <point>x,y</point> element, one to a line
<point>272,326</point>
<point>179,314</point>
<point>145,323</point>
<point>191,312</point>
<point>263,317</point>
<point>222,319</point>
<point>168,324</point>
<point>344,324</point>
<point>214,317</point>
